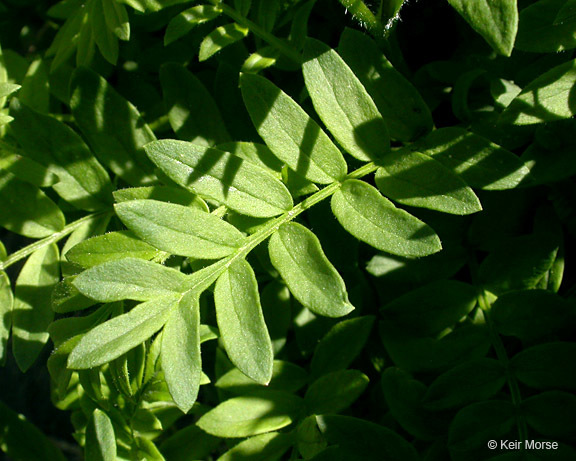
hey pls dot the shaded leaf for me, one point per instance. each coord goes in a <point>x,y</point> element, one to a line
<point>100,438</point>
<point>336,391</point>
<point>263,447</point>
<point>180,230</point>
<point>110,247</point>
<point>193,113</point>
<point>112,126</point>
<point>552,414</point>
<point>479,162</point>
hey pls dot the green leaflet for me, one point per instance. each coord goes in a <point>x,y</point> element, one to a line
<point>190,442</point>
<point>192,112</point>
<point>26,210</point>
<point>100,438</point>
<point>341,345</point>
<point>546,26</point>
<point>7,89</point>
<point>183,23</point>
<point>415,179</point>
<point>35,91</point>
<point>24,168</point>
<point>116,19</point>
<point>180,230</point>
<point>63,329</point>
<point>117,336</point>
<point>369,217</point>
<point>290,133</point>
<point>256,153</point>
<point>286,377</point>
<point>23,440</point>
<point>180,353</point>
<point>364,440</point>
<point>263,447</point>
<point>252,415</point>
<point>567,12</point>
<point>6,306</point>
<point>110,247</point>
<point>105,39</point>
<point>112,126</point>
<point>241,323</point>
<point>335,391</point>
<point>343,104</point>
<point>296,253</point>
<point>406,114</point>
<point>548,366</point>
<point>474,380</point>
<point>129,278</point>
<point>32,312</point>
<point>82,180</point>
<point>495,20</point>
<point>551,414</point>
<point>479,422</point>
<point>163,194</point>
<point>219,38</point>
<point>545,99</point>
<point>479,162</point>
<point>221,176</point>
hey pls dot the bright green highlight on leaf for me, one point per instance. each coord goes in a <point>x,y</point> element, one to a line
<point>100,438</point>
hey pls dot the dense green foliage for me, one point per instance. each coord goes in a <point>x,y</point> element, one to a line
<point>287,229</point>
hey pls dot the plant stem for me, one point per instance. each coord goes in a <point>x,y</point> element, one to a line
<point>279,44</point>
<point>201,280</point>
<point>57,236</point>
